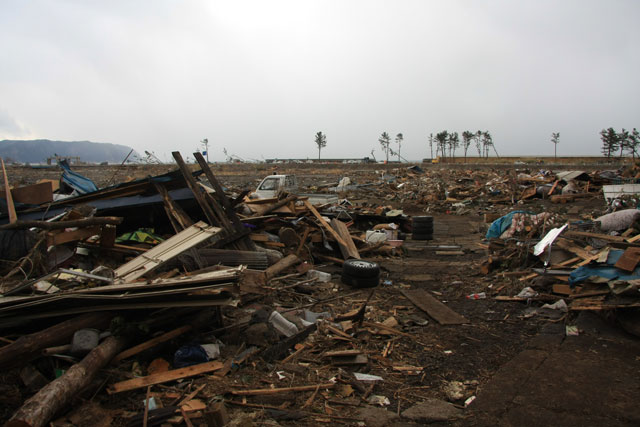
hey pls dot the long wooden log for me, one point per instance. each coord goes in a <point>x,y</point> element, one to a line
<point>284,263</point>
<point>45,404</point>
<point>57,225</point>
<point>280,204</point>
<point>29,347</point>
<point>269,391</point>
<point>44,225</point>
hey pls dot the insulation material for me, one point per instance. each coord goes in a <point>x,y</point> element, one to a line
<point>617,221</point>
<point>523,222</point>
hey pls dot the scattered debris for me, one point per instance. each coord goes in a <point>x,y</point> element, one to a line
<point>173,299</point>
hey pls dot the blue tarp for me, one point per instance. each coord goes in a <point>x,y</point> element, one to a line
<point>501,224</point>
<point>80,183</point>
<point>603,270</point>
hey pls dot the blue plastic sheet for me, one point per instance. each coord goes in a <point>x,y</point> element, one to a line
<point>190,354</point>
<point>501,224</point>
<point>76,181</point>
<point>608,271</point>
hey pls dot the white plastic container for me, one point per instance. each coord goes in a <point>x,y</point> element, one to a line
<point>282,325</point>
<point>375,236</point>
<point>321,276</point>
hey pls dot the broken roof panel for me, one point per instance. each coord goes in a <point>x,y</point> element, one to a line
<point>567,176</point>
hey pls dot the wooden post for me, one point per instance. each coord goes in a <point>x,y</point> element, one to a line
<point>13,217</point>
<point>284,263</point>
<point>196,190</point>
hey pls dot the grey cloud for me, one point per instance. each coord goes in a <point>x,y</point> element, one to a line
<point>260,78</point>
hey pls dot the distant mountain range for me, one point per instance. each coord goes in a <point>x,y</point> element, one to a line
<point>37,151</point>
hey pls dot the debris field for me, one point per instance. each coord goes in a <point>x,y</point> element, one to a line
<point>414,294</point>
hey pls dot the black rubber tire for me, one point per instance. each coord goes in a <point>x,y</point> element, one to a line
<point>360,268</point>
<point>423,229</point>
<point>360,282</point>
<point>420,236</point>
<point>14,244</point>
<point>422,220</point>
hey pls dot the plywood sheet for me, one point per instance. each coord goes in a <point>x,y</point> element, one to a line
<point>434,308</point>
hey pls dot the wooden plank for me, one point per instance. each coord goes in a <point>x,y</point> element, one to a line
<point>600,236</point>
<point>269,391</point>
<point>562,289</point>
<point>629,259</point>
<point>585,304</point>
<point>340,353</point>
<point>163,377</point>
<point>553,187</point>
<point>434,308</point>
<point>152,343</point>
<point>386,328</point>
<point>58,238</point>
<point>568,246</point>
<point>166,250</point>
<point>449,253</point>
<point>528,192</point>
<point>34,194</point>
<point>324,223</point>
<point>13,217</point>
<point>349,250</point>
<point>55,183</point>
<point>634,238</point>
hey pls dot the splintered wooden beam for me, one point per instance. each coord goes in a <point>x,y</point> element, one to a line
<point>173,209</point>
<point>283,264</point>
<point>324,223</point>
<point>226,208</point>
<point>197,191</point>
<point>163,377</point>
<point>348,250</point>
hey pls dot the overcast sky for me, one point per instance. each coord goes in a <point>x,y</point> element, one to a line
<point>260,78</point>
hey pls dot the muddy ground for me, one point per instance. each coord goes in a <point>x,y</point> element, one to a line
<point>521,369</point>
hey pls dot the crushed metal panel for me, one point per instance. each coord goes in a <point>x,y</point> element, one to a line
<point>567,176</point>
<point>166,250</point>
<point>618,190</point>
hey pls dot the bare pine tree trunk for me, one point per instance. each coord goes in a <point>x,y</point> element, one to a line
<point>55,396</point>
